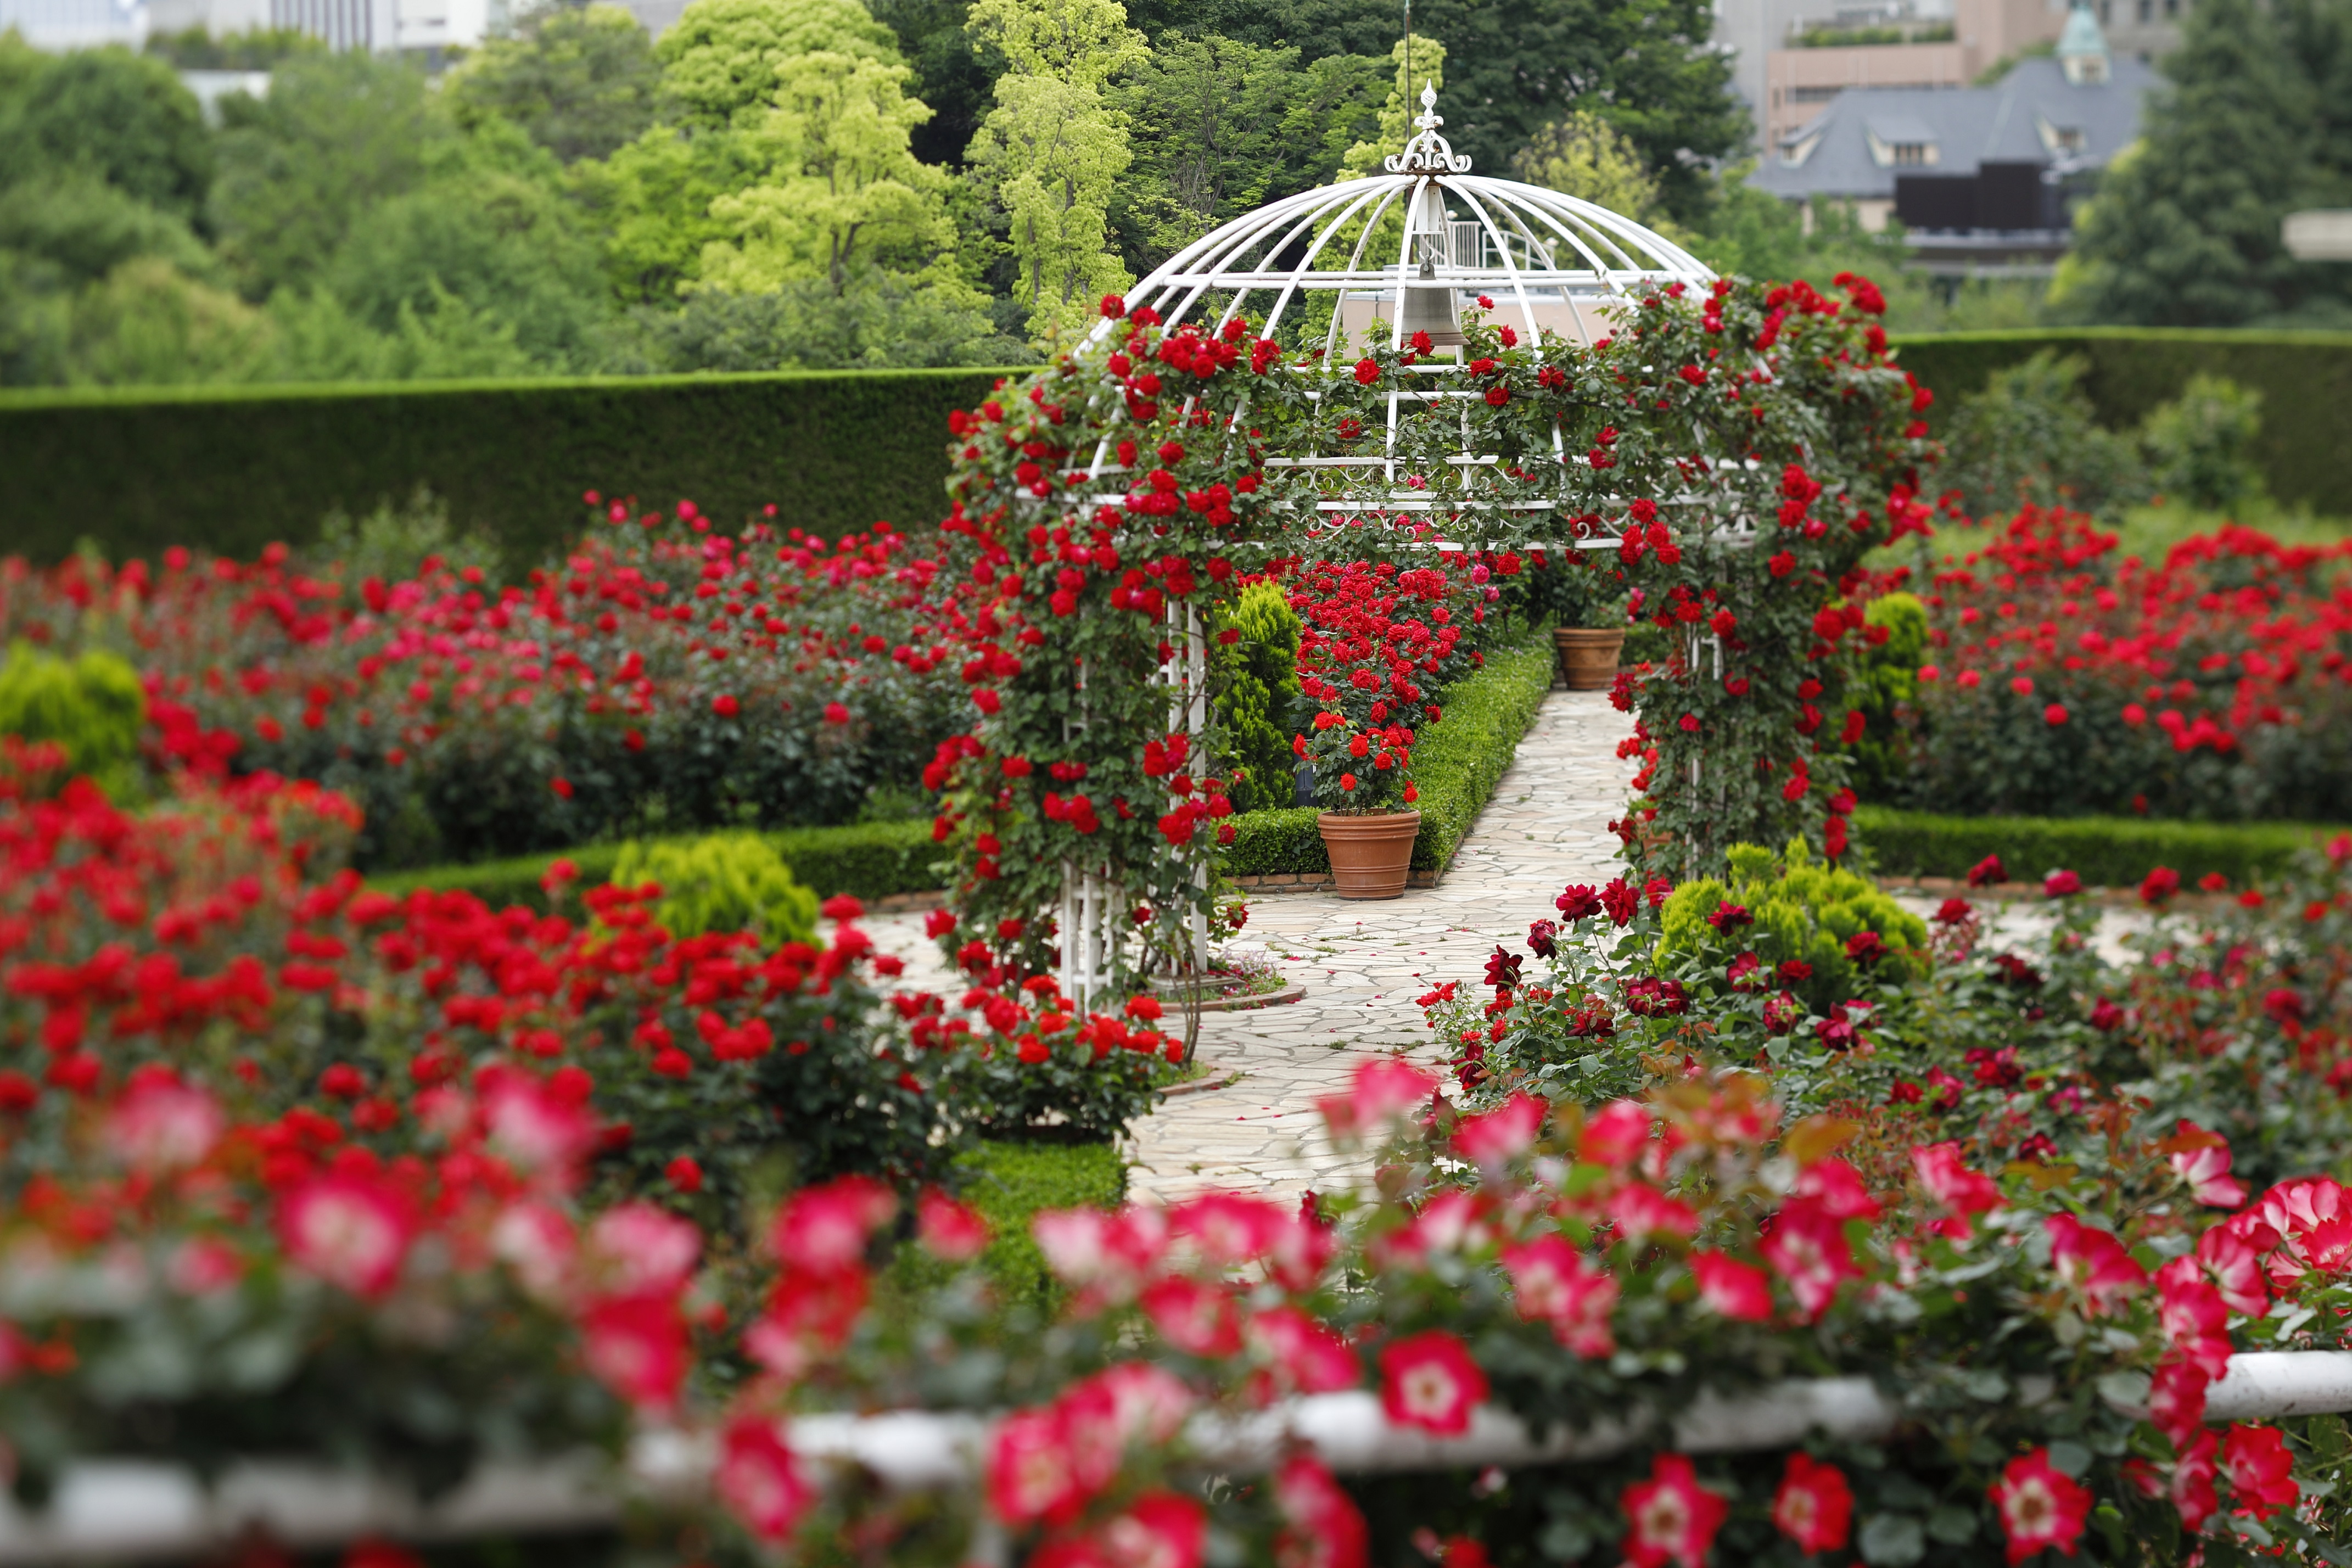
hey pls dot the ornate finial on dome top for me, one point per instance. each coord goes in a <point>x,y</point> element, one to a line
<point>1428,153</point>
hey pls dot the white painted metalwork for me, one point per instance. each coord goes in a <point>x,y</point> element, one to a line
<point>1418,243</point>
<point>118,1511</point>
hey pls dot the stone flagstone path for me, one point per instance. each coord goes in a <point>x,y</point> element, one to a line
<point>1363,963</point>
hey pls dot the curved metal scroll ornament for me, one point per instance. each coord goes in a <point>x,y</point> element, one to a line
<point>1428,153</point>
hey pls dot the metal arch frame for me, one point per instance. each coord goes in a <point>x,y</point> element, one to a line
<point>1336,226</point>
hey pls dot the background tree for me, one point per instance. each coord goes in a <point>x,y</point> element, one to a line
<point>1648,66</point>
<point>1219,127</point>
<point>338,134</point>
<point>2185,229</point>
<point>1053,149</point>
<point>1584,155</point>
<point>721,60</point>
<point>578,82</point>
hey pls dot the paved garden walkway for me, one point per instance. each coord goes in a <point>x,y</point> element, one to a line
<point>1363,965</point>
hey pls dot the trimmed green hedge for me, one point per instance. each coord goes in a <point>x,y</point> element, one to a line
<point>2305,380</point>
<point>1456,767</point>
<point>232,468</point>
<point>868,860</point>
<point>2104,851</point>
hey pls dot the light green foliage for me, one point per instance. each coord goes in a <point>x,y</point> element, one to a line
<point>651,203</point>
<point>92,706</point>
<point>392,543</point>
<point>2199,445</point>
<point>579,82</point>
<point>1054,149</point>
<point>721,60</point>
<point>1585,155</point>
<point>149,323</point>
<point>1011,1184</point>
<point>1258,681</point>
<point>1220,127</point>
<point>338,135</point>
<point>839,188</point>
<point>1419,61</point>
<point>1805,910</point>
<point>1886,688</point>
<point>2030,436</point>
<point>725,882</point>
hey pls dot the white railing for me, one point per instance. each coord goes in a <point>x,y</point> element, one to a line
<point>115,1510</point>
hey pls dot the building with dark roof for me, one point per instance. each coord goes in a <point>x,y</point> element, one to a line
<point>1983,179</point>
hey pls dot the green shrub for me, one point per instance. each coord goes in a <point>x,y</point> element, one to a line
<point>140,470</point>
<point>1010,1184</point>
<point>726,881</point>
<point>1256,678</point>
<point>2303,450</point>
<point>1803,911</point>
<point>93,706</point>
<point>865,859</point>
<point>2104,851</point>
<point>2031,437</point>
<point>1456,767</point>
<point>1884,692</point>
<point>2199,446</point>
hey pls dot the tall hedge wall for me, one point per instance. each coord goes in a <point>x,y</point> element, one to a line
<point>232,468</point>
<point>2305,380</point>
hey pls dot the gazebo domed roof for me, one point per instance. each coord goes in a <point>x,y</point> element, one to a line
<point>1547,260</point>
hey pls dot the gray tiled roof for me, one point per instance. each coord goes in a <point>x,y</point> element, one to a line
<point>1969,125</point>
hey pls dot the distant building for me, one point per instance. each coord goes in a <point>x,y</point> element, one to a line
<point>383,26</point>
<point>75,24</point>
<point>1982,179</point>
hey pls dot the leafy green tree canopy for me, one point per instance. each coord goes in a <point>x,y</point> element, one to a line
<point>2185,229</point>
<point>122,117</point>
<point>338,134</point>
<point>721,61</point>
<point>579,82</point>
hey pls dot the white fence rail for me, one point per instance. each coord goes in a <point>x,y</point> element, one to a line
<point>114,1510</point>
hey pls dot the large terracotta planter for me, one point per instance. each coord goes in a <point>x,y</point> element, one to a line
<point>1369,852</point>
<point>1588,658</point>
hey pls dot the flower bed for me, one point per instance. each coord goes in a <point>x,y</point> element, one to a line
<point>2060,681</point>
<point>663,676</point>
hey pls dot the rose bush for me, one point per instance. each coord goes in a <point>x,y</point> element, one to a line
<point>1377,646</point>
<point>2061,680</point>
<point>663,676</point>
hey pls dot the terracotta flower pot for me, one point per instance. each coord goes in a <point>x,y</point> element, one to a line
<point>1370,853</point>
<point>1588,658</point>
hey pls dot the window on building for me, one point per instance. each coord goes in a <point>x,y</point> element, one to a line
<point>1909,154</point>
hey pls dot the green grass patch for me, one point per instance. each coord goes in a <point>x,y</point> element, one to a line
<point>2104,851</point>
<point>1456,767</point>
<point>1010,1182</point>
<point>867,859</point>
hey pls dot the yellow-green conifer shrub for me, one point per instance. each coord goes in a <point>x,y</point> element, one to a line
<point>1800,909</point>
<point>92,706</point>
<point>721,882</point>
<point>1258,676</point>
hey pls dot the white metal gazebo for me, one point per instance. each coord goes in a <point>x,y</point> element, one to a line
<point>1404,251</point>
<point>1340,267</point>
<point>1548,260</point>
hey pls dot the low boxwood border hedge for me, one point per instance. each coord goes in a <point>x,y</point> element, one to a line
<point>2104,851</point>
<point>1456,767</point>
<point>868,860</point>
